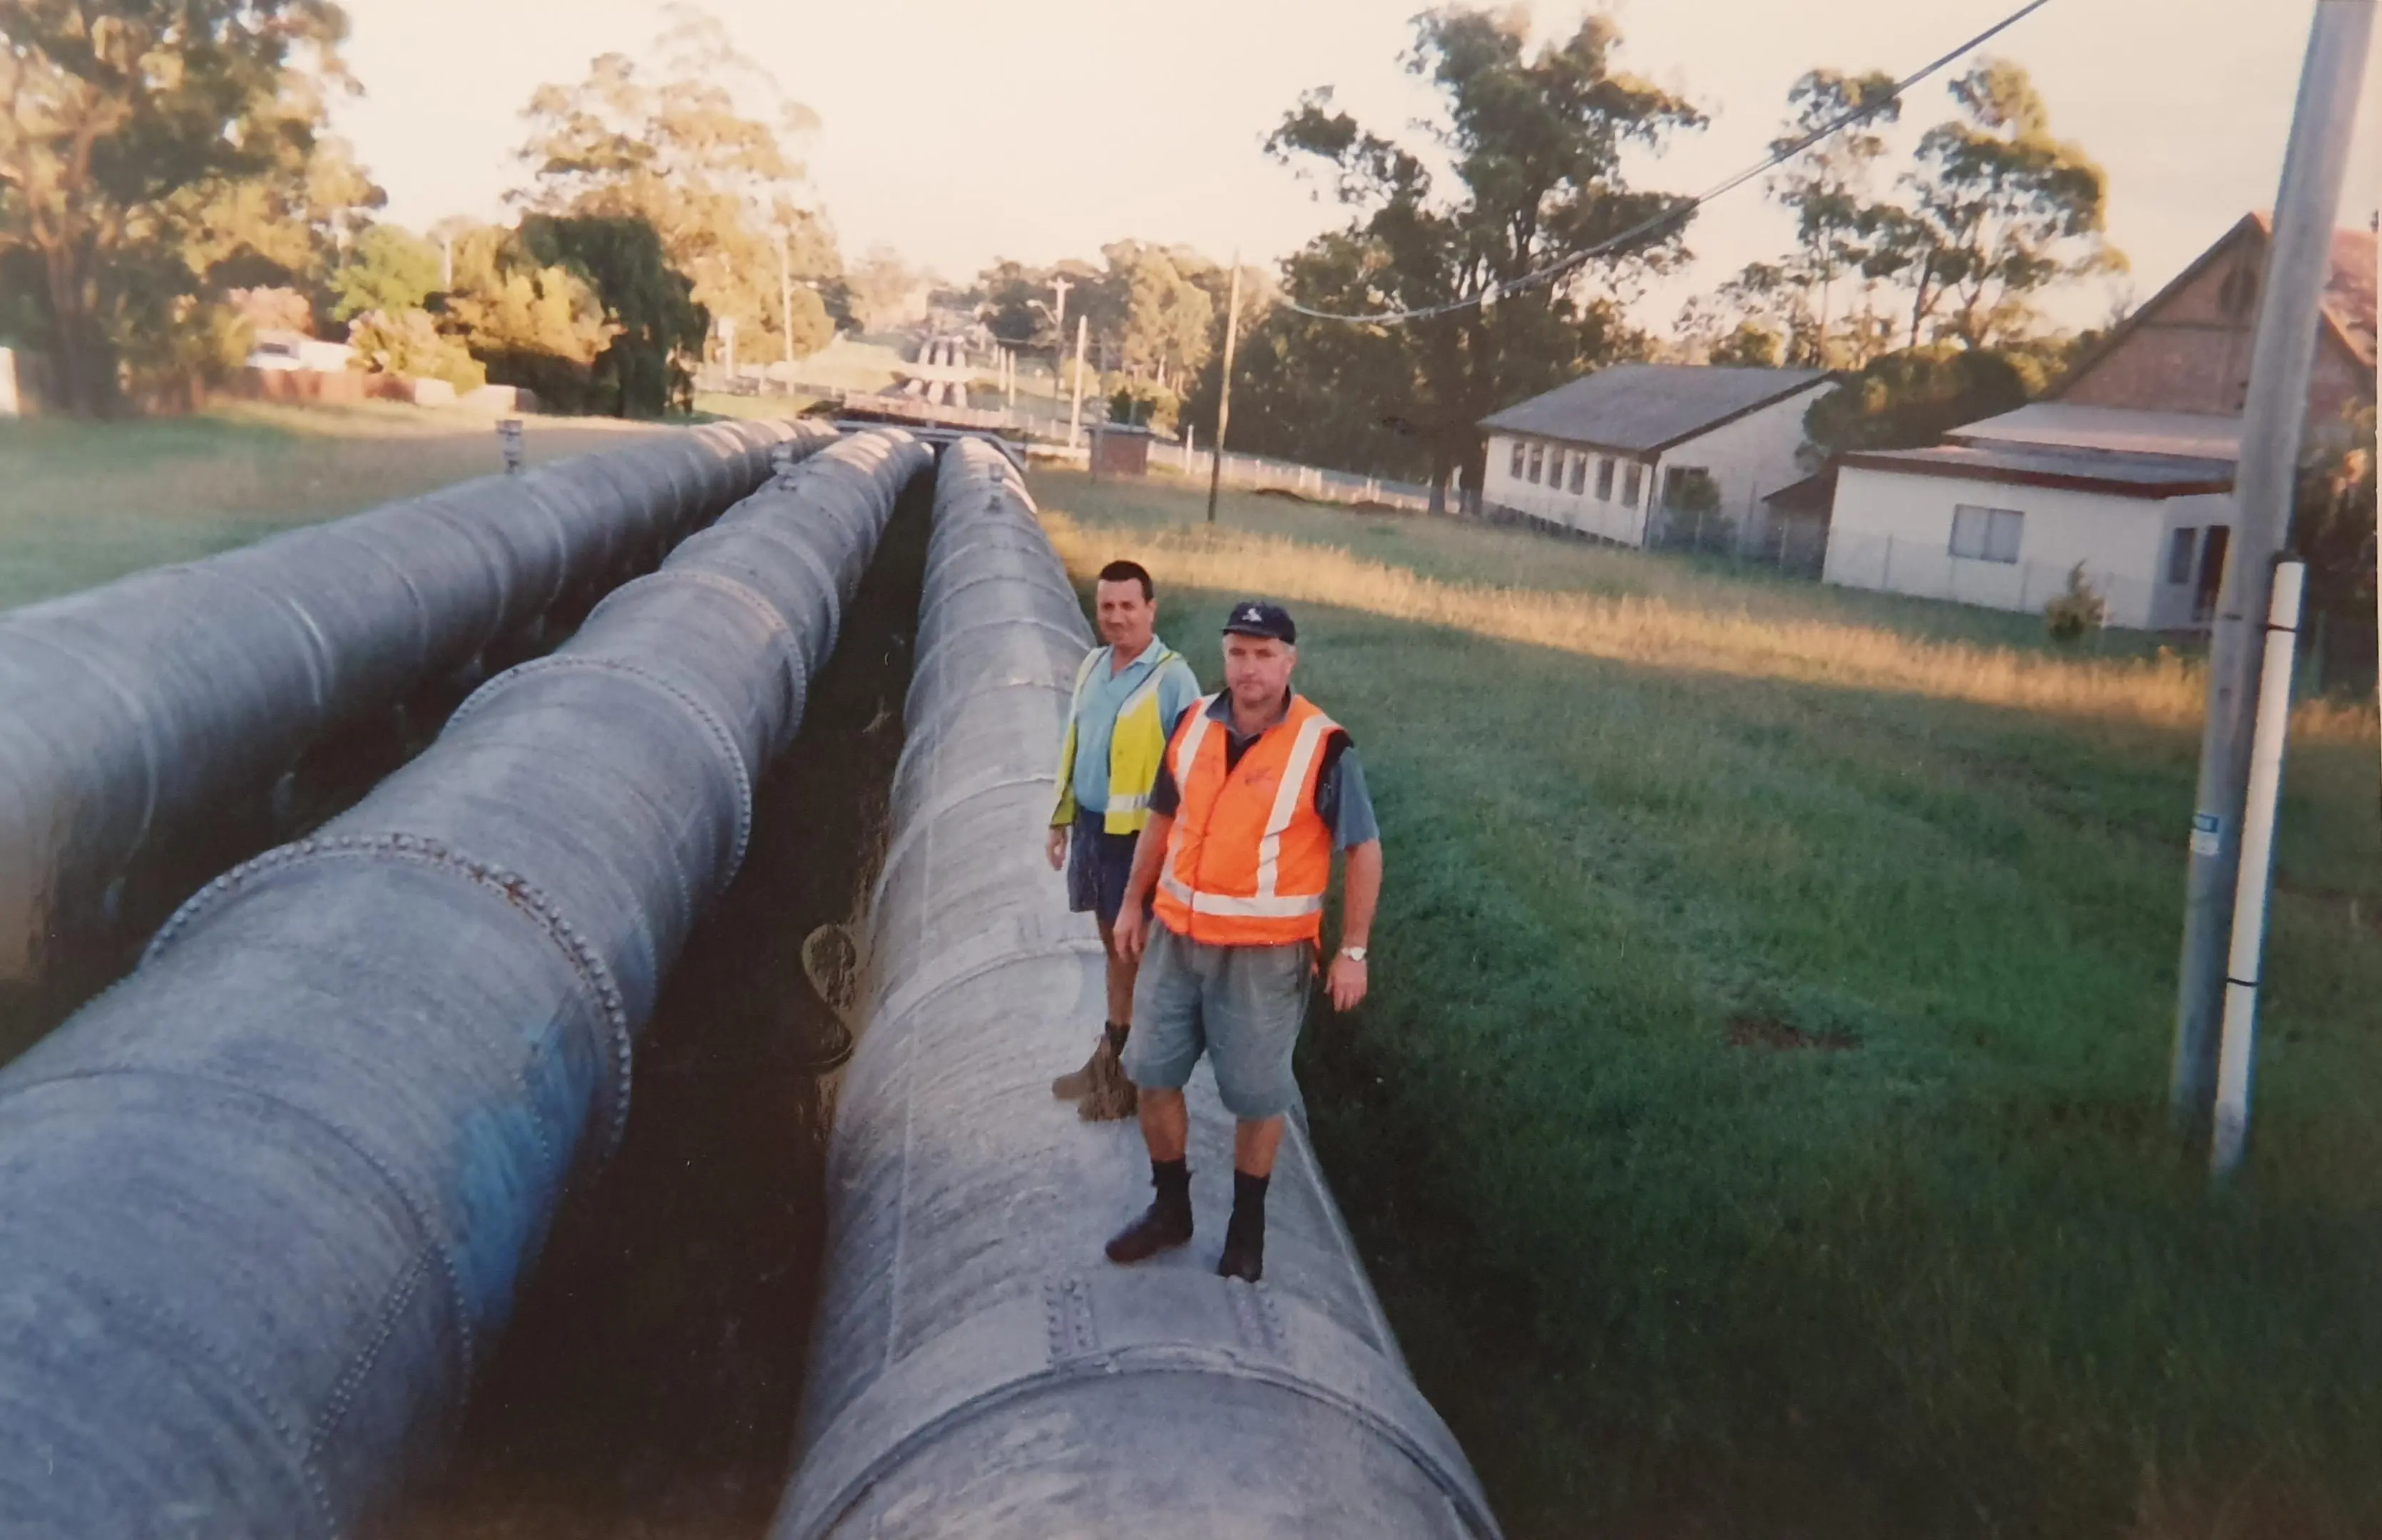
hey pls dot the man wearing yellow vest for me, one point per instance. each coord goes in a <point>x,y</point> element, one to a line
<point>1129,695</point>
<point>1257,789</point>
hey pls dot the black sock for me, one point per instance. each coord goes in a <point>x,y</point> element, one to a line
<point>1173,1179</point>
<point>1117,1030</point>
<point>1248,1206</point>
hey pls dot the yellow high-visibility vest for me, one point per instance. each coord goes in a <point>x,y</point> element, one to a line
<point>1137,748</point>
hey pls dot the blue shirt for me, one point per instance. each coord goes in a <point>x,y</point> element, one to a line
<point>1178,691</point>
<point>1341,799</point>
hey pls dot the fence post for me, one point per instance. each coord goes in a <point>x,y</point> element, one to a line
<point>1885,581</point>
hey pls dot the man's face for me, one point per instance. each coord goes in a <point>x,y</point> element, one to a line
<point>1257,670</point>
<point>1126,617</point>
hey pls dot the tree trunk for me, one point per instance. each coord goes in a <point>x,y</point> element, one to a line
<point>78,356</point>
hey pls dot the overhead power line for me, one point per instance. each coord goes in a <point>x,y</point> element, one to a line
<point>1494,290</point>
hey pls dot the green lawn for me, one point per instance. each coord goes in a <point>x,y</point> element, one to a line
<point>85,502</point>
<point>1758,1128</point>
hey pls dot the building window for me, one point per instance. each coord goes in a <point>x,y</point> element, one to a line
<point>1554,469</point>
<point>1537,463</point>
<point>1605,480</point>
<point>1579,475</point>
<point>2181,546</point>
<point>1986,534</point>
<point>1517,459</point>
<point>1629,484</point>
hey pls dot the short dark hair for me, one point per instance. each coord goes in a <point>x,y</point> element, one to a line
<point>1130,572</point>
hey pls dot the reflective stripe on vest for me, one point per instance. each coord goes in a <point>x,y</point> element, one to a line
<point>1257,911</point>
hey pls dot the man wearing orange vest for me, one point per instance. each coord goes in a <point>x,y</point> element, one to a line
<point>1258,788</point>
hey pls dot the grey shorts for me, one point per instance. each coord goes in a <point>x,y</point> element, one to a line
<point>1241,1005</point>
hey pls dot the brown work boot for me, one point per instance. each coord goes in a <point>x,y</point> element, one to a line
<point>1074,1086</point>
<point>1112,1095</point>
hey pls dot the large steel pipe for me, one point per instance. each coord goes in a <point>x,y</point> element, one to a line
<point>978,1369</point>
<point>133,714</point>
<point>264,1204</point>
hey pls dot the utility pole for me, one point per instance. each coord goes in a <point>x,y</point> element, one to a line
<point>1061,283</point>
<point>1076,412</point>
<point>786,306</point>
<point>2282,357</point>
<point>1225,388</point>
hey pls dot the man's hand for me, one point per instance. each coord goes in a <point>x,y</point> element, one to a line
<point>1058,849</point>
<point>1132,932</point>
<point>1346,983</point>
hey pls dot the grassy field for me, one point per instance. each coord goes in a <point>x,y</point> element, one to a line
<point>85,502</point>
<point>1758,1127</point>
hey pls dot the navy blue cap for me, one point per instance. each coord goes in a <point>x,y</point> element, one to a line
<point>1256,617</point>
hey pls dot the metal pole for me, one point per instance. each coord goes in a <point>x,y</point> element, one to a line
<point>1075,410</point>
<point>2272,733</point>
<point>2282,356</point>
<point>1225,388</point>
<point>786,306</point>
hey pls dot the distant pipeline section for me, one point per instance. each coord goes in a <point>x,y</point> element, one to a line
<point>264,1204</point>
<point>135,715</point>
<point>978,1369</point>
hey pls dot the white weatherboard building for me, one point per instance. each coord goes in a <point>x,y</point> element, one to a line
<point>1655,454</point>
<point>2005,509</point>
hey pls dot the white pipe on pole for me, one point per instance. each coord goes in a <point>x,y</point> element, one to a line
<point>2298,259</point>
<point>2256,880</point>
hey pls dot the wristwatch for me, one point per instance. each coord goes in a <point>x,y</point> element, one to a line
<point>1353,954</point>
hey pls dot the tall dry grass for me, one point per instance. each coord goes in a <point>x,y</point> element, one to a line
<point>2165,691</point>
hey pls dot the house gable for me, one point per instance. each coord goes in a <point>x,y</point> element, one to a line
<point>2187,350</point>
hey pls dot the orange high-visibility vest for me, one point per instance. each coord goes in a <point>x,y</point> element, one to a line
<point>1249,858</point>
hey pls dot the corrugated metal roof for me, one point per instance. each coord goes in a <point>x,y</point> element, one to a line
<point>2075,470</point>
<point>1640,408</point>
<point>2060,425</point>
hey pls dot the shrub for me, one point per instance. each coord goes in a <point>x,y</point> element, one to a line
<point>409,343</point>
<point>2076,609</point>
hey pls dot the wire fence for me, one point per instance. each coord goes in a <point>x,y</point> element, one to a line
<point>1928,570</point>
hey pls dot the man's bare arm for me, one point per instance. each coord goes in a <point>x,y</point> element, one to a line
<point>1360,898</point>
<point>1149,855</point>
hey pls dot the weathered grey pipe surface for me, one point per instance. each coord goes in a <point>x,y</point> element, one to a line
<point>264,1204</point>
<point>133,711</point>
<point>978,1369</point>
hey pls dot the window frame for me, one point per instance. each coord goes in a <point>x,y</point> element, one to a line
<point>1537,464</point>
<point>1987,527</point>
<point>1578,471</point>
<point>2183,551</point>
<point>1604,479</point>
<point>1633,482</point>
<point>1520,449</point>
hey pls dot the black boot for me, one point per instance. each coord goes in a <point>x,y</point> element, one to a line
<point>1168,1222</point>
<point>1244,1255</point>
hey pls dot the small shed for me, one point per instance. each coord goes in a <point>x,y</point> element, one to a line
<point>1120,449</point>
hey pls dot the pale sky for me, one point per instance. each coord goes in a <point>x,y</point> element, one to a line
<point>959,131</point>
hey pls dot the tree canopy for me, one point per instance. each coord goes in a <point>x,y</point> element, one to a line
<point>1532,143</point>
<point>669,144</point>
<point>142,147</point>
<point>386,268</point>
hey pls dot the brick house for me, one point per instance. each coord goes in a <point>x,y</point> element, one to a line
<point>2187,347</point>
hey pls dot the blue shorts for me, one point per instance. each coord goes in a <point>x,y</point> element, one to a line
<point>1241,1005</point>
<point>1098,865</point>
